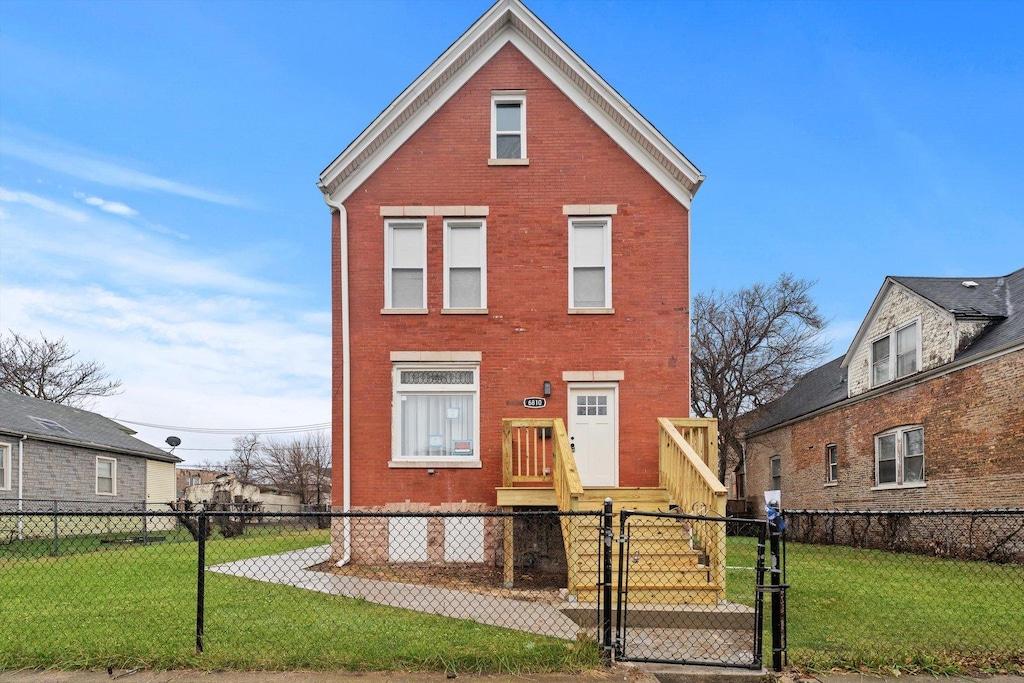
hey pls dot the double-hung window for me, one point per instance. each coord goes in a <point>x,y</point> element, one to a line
<point>508,125</point>
<point>590,263</point>
<point>776,473</point>
<point>831,464</point>
<point>5,467</point>
<point>465,264</point>
<point>405,256</point>
<point>106,476</point>
<point>899,457</point>
<point>436,408</point>
<point>895,355</point>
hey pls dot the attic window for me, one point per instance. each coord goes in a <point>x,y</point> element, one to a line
<point>51,425</point>
<point>508,127</point>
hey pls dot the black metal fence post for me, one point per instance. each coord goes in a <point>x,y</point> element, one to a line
<point>201,582</point>
<point>775,527</point>
<point>606,578</point>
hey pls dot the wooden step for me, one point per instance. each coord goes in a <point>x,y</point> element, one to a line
<point>657,595</point>
<point>592,561</point>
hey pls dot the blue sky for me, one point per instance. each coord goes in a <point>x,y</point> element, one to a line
<point>158,163</point>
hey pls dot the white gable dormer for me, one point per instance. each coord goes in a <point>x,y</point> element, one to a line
<point>903,334</point>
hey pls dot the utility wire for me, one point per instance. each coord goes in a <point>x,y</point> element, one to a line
<point>206,430</point>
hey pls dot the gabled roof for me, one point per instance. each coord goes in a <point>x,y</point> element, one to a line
<point>48,421</point>
<point>996,299</point>
<point>509,21</point>
<point>977,298</point>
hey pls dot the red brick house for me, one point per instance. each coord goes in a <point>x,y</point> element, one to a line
<point>925,410</point>
<point>509,228</point>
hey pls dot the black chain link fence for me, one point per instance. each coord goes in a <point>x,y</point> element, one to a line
<point>929,590</point>
<point>455,591</point>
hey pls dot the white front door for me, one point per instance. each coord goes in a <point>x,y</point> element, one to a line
<point>594,434</point>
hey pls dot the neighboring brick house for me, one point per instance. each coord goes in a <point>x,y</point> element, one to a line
<point>509,227</point>
<point>925,410</point>
<point>185,477</point>
<point>53,452</point>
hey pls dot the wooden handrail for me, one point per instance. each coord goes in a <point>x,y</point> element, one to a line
<point>536,452</point>
<point>568,487</point>
<point>693,486</point>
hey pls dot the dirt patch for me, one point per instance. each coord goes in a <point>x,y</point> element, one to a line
<point>472,578</point>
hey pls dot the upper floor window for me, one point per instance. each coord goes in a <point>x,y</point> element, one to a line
<point>895,355</point>
<point>5,467</point>
<point>831,464</point>
<point>508,124</point>
<point>899,457</point>
<point>590,263</point>
<point>776,472</point>
<point>465,264</point>
<point>435,411</point>
<point>106,476</point>
<point>405,270</point>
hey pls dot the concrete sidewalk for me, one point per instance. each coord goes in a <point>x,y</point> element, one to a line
<point>291,569</point>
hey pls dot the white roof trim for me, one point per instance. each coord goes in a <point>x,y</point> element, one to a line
<point>509,21</point>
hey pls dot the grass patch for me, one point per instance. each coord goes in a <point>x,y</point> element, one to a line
<point>855,609</point>
<point>135,607</point>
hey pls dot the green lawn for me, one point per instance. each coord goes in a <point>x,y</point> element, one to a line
<point>853,608</point>
<point>135,607</point>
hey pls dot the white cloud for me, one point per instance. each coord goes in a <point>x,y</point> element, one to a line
<point>86,166</point>
<point>41,203</point>
<point>116,208</point>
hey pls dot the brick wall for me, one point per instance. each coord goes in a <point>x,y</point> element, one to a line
<point>60,472</point>
<point>527,336</point>
<point>973,423</point>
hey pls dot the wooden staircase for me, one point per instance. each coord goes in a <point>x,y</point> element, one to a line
<point>671,561</point>
<point>663,567</point>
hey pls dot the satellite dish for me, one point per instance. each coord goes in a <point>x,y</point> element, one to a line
<point>173,441</point>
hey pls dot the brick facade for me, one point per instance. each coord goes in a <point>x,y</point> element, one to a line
<point>527,335</point>
<point>973,420</point>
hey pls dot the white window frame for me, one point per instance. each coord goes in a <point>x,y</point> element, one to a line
<point>113,476</point>
<point>457,223</point>
<point>831,463</point>
<point>389,257</point>
<point>892,363</point>
<point>775,463</point>
<point>899,436</point>
<point>399,459</point>
<point>605,222</point>
<point>508,97</point>
<point>5,466</point>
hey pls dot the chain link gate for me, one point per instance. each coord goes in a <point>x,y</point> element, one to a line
<point>671,589</point>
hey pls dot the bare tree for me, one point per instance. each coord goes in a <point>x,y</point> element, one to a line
<point>47,369</point>
<point>300,465</point>
<point>747,348</point>
<point>246,463</point>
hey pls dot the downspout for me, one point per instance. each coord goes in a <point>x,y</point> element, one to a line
<point>346,383</point>
<point>21,486</point>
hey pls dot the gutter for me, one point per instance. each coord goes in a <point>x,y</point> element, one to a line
<point>346,382</point>
<point>21,486</point>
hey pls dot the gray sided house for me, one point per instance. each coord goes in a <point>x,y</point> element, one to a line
<point>925,410</point>
<point>52,452</point>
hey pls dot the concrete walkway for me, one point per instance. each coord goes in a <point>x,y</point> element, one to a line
<point>292,569</point>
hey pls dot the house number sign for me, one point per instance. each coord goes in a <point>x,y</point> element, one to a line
<point>534,402</point>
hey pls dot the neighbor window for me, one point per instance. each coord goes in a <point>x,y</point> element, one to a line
<point>435,411</point>
<point>776,468</point>
<point>465,264</point>
<point>5,467</point>
<point>895,355</point>
<point>508,125</point>
<point>405,255</point>
<point>899,457</point>
<point>831,463</point>
<point>590,263</point>
<point>106,476</point>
